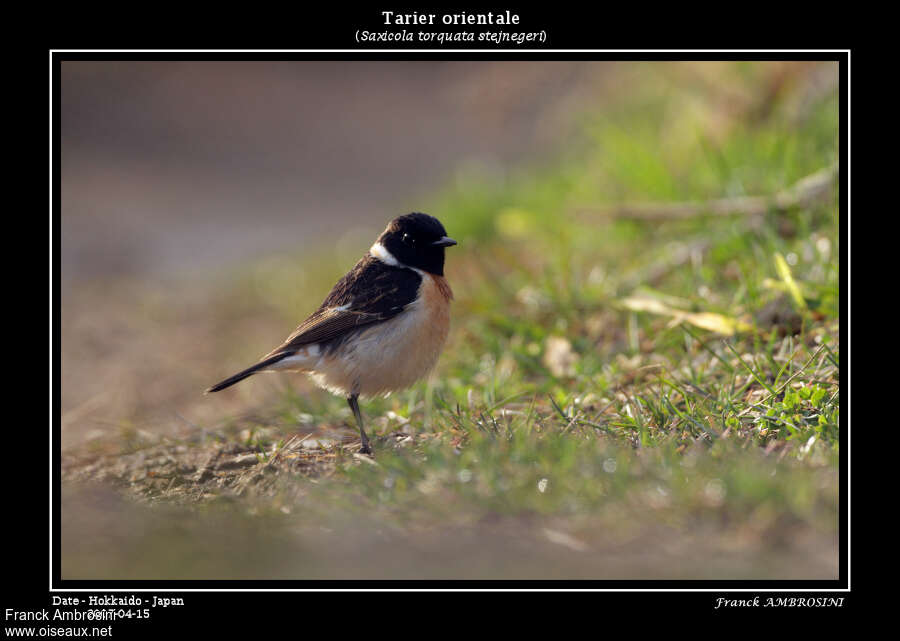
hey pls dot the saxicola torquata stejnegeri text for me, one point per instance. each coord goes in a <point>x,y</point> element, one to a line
<point>383,325</point>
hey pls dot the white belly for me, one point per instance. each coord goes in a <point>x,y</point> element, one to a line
<point>385,357</point>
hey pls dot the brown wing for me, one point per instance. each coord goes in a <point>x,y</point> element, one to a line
<point>371,292</point>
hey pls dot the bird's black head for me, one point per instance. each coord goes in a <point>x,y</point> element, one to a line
<point>414,240</point>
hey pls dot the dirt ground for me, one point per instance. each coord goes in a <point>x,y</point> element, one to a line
<point>141,515</point>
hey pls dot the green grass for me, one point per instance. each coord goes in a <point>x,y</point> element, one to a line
<point>610,375</point>
<point>529,270</point>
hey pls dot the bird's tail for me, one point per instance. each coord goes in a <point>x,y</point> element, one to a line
<point>250,371</point>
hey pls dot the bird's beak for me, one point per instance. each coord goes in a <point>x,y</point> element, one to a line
<point>446,241</point>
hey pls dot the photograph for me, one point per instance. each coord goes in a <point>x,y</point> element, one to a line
<point>430,321</point>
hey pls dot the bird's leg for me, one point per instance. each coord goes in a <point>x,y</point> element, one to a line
<point>354,405</point>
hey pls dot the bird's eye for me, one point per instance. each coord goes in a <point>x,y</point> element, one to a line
<point>409,240</point>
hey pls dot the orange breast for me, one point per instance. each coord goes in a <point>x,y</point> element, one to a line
<point>436,296</point>
<point>392,355</point>
<point>443,287</point>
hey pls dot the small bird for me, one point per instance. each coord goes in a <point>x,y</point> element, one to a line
<point>383,325</point>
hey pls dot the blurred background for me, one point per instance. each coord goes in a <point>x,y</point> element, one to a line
<point>175,173</point>
<point>208,207</point>
<point>179,167</point>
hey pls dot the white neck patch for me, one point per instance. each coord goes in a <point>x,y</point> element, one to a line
<point>380,252</point>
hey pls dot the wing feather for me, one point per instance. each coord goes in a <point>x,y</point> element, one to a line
<point>372,292</point>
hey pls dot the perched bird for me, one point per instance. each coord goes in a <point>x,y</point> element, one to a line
<point>383,325</point>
